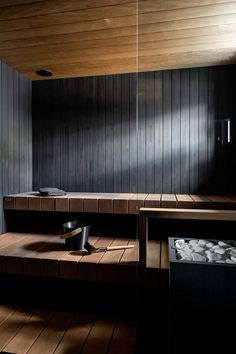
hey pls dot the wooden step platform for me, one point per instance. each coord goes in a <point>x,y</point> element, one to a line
<point>115,203</point>
<point>46,256</point>
<point>37,331</point>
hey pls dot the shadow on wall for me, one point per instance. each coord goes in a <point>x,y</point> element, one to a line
<point>95,134</point>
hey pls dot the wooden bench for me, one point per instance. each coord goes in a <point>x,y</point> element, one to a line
<point>46,256</point>
<point>42,255</point>
<point>25,330</point>
<point>115,203</point>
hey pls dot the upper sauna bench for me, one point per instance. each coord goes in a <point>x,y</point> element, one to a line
<point>116,203</point>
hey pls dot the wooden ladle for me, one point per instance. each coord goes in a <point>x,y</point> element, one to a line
<point>91,249</point>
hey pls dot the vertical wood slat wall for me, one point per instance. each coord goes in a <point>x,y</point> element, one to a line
<point>91,134</point>
<point>15,134</point>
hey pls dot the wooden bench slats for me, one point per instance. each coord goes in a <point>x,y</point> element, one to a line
<point>62,203</point>
<point>32,264</point>
<point>164,255</point>
<point>153,254</point>
<point>130,256</point>
<point>75,335</point>
<point>100,334</point>
<point>216,198</point>
<point>128,265</point>
<point>21,203</point>
<point>49,259</point>
<point>113,257</point>
<point>105,202</point>
<point>164,274</point>
<point>168,201</point>
<point>26,330</point>
<point>76,203</point>
<point>90,203</point>
<point>8,331</point>
<point>231,202</point>
<point>48,204</point>
<point>22,244</point>
<point>116,203</point>
<point>184,201</point>
<point>15,258</point>
<point>201,201</point>
<point>153,263</point>
<point>15,248</point>
<point>107,266</point>
<point>136,201</point>
<point>52,334</point>
<point>9,237</point>
<point>87,267</point>
<point>231,198</point>
<point>5,312</point>
<point>14,261</point>
<point>47,256</point>
<point>123,339</point>
<point>24,339</point>
<point>9,202</point>
<point>121,204</point>
<point>68,264</point>
<point>152,201</point>
<point>128,203</point>
<point>105,205</point>
<point>35,203</point>
<point>221,202</point>
<point>7,247</point>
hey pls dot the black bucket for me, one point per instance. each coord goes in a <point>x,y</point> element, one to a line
<point>77,241</point>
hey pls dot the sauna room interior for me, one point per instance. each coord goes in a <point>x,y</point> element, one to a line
<point>117,176</point>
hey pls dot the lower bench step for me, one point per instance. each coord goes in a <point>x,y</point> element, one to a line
<point>46,256</point>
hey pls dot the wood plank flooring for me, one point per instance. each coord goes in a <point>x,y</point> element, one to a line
<point>25,330</point>
<point>114,203</point>
<point>47,256</point>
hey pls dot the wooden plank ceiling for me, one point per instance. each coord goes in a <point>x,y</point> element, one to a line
<point>75,38</point>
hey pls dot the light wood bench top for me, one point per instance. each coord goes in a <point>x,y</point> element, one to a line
<point>47,256</point>
<point>116,203</point>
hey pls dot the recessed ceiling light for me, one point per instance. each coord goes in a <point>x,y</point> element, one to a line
<point>44,72</point>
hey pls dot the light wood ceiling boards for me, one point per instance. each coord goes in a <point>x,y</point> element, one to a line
<point>75,38</point>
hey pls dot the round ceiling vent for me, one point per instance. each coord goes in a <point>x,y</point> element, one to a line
<point>44,72</point>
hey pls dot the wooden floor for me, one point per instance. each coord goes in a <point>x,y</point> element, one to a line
<point>116,203</point>
<point>46,256</point>
<point>38,331</point>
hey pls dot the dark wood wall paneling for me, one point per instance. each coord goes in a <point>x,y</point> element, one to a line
<point>15,134</point>
<point>84,134</point>
<point>155,132</point>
